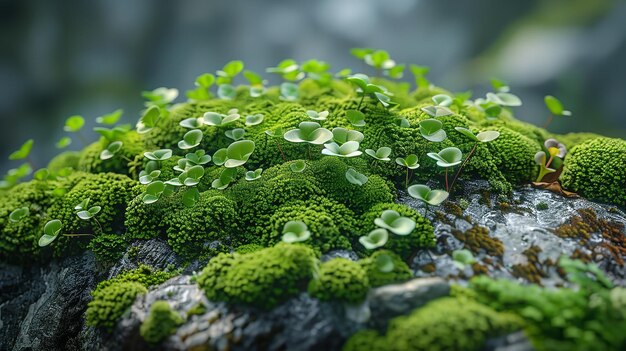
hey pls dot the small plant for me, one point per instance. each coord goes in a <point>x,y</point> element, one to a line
<point>219,119</point>
<point>289,91</point>
<point>197,158</point>
<point>203,83</point>
<point>298,166</point>
<point>192,122</point>
<point>149,119</point>
<point>355,177</point>
<point>19,214</point>
<point>356,118</point>
<point>160,97</point>
<point>51,231</point>
<point>190,177</point>
<point>153,192</point>
<point>431,130</point>
<point>482,137</point>
<point>111,150</point>
<point>342,135</point>
<point>149,177</point>
<point>253,120</point>
<point>380,60</point>
<point>295,231</point>
<point>462,258</point>
<point>237,154</point>
<point>317,116</point>
<point>440,108</point>
<point>277,134</point>
<point>557,152</point>
<point>229,72</point>
<point>348,149</point>
<point>309,132</point>
<point>257,83</point>
<point>427,195</point>
<point>446,158</point>
<point>158,155</point>
<point>63,142</point>
<point>288,69</point>
<point>375,239</point>
<point>254,175</point>
<point>411,163</point>
<point>365,88</point>
<point>556,109</point>
<point>110,118</point>
<point>86,212</point>
<point>23,152</point>
<point>226,177</point>
<point>382,154</point>
<point>395,223</point>
<point>191,139</point>
<point>235,134</point>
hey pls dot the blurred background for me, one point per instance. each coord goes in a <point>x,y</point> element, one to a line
<point>64,57</point>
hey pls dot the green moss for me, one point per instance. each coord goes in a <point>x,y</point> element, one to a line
<point>111,303</point>
<point>366,339</point>
<point>595,169</point>
<point>144,275</point>
<point>329,222</point>
<point>160,323</point>
<point>443,324</point>
<point>122,163</point>
<point>572,139</point>
<point>340,280</point>
<point>262,278</point>
<point>108,247</point>
<point>401,271</point>
<point>66,159</point>
<point>421,237</point>
<point>191,230</point>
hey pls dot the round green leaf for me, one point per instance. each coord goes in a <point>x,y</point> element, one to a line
<point>375,239</point>
<point>355,177</point>
<point>356,118</point>
<point>19,214</point>
<point>191,139</point>
<point>74,124</point>
<point>23,151</point>
<point>254,120</point>
<point>297,166</point>
<point>395,223</point>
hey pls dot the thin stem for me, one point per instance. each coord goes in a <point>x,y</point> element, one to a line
<point>406,182</point>
<point>99,225</point>
<point>550,161</point>
<point>78,235</point>
<point>545,126</point>
<point>126,159</point>
<point>280,148</point>
<point>308,150</point>
<point>447,187</point>
<point>463,164</point>
<point>360,102</point>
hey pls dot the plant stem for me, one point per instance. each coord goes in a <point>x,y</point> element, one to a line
<point>308,151</point>
<point>78,235</point>
<point>545,126</point>
<point>447,187</point>
<point>463,164</point>
<point>126,159</point>
<point>406,182</point>
<point>360,102</point>
<point>282,153</point>
<point>99,225</point>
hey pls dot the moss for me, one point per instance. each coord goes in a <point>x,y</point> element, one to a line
<point>330,223</point>
<point>262,278</point>
<point>401,271</point>
<point>366,339</point>
<point>477,240</point>
<point>421,237</point>
<point>340,280</point>
<point>144,275</point>
<point>542,206</point>
<point>197,310</point>
<point>108,247</point>
<point>160,323</point>
<point>446,324</point>
<point>191,230</point>
<point>595,169</point>
<point>248,248</point>
<point>534,269</point>
<point>122,163</point>
<point>572,139</point>
<point>111,303</point>
<point>66,159</point>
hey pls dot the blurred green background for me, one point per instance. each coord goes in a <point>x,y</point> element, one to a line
<point>65,57</point>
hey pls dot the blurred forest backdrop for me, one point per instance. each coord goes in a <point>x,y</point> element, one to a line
<point>64,57</point>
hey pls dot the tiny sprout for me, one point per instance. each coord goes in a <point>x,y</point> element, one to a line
<point>442,100</point>
<point>147,178</point>
<point>198,158</point>
<point>89,213</point>
<point>375,239</point>
<point>409,162</point>
<point>158,155</point>
<point>420,72</point>
<point>191,197</point>
<point>309,132</point>
<point>23,151</point>
<point>226,92</point>
<point>499,85</point>
<point>289,91</point>
<point>19,214</point>
<point>440,109</point>
<point>149,119</point>
<point>254,175</point>
<point>504,99</point>
<point>348,149</point>
<point>463,257</point>
<point>63,142</point>
<point>254,120</point>
<point>544,167</point>
<point>355,177</point>
<point>41,174</point>
<point>382,154</point>
<point>51,230</point>
<point>288,69</point>
<point>191,123</point>
<point>229,71</point>
<point>226,177</point>
<point>275,133</point>
<point>364,87</point>
<point>153,192</point>
<point>160,96</point>
<point>402,122</point>
<point>191,139</point>
<point>484,137</point>
<point>218,119</point>
<point>256,83</point>
<point>356,118</point>
<point>235,134</point>
<point>342,135</point>
<point>448,157</point>
<point>384,263</point>
<point>205,80</point>
<point>110,118</point>
<point>343,73</point>
<point>555,148</point>
<point>431,130</point>
<point>317,116</point>
<point>74,123</point>
<point>395,223</point>
<point>295,231</point>
<point>379,59</point>
<point>113,134</point>
<point>297,166</point>
<point>235,155</point>
<point>110,151</point>
<point>425,194</point>
<point>556,109</point>
<point>191,176</point>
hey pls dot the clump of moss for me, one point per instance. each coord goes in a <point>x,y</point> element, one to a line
<point>262,278</point>
<point>144,275</point>
<point>160,323</point>
<point>110,304</point>
<point>595,169</point>
<point>477,239</point>
<point>365,339</point>
<point>121,163</point>
<point>66,159</point>
<point>400,272</point>
<point>108,247</point>
<point>421,237</point>
<point>542,206</point>
<point>443,324</point>
<point>330,223</point>
<point>340,280</point>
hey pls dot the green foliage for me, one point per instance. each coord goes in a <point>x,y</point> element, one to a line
<point>122,162</point>
<point>110,304</point>
<point>421,237</point>
<point>160,323</point>
<point>261,278</point>
<point>377,277</point>
<point>595,169</point>
<point>443,324</point>
<point>66,159</point>
<point>108,247</point>
<point>340,280</point>
<point>144,275</point>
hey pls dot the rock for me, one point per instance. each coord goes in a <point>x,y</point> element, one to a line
<point>155,253</point>
<point>390,301</point>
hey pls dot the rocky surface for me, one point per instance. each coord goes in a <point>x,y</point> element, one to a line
<point>42,307</point>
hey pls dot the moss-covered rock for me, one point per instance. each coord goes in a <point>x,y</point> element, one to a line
<point>400,272</point>
<point>66,159</point>
<point>261,278</point>
<point>160,323</point>
<point>595,169</point>
<point>110,304</point>
<point>340,280</point>
<point>122,163</point>
<point>108,247</point>
<point>144,275</point>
